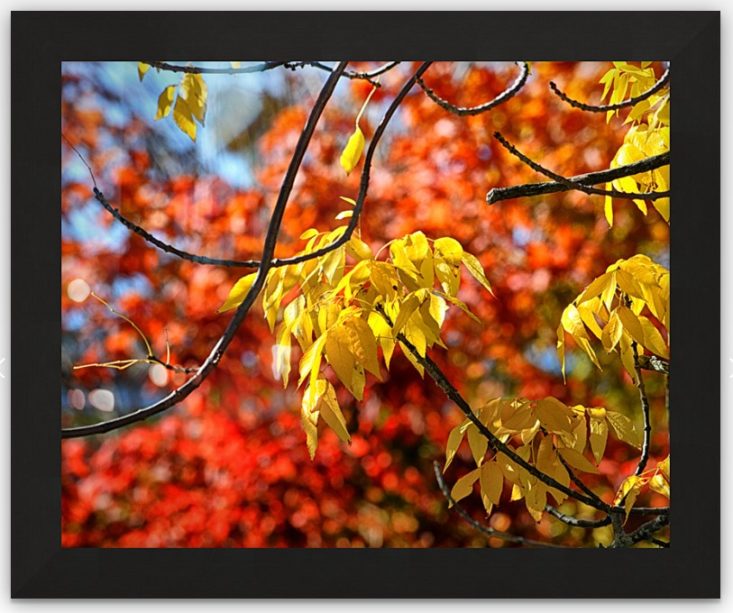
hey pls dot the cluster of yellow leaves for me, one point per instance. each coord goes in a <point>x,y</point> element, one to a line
<point>656,479</point>
<point>614,309</point>
<point>647,136</point>
<point>187,99</point>
<point>547,434</point>
<point>343,307</point>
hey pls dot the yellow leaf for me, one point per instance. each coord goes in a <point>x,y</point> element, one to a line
<point>344,215</point>
<point>474,267</point>
<point>608,207</point>
<point>653,339</point>
<point>351,201</point>
<point>598,437</point>
<point>631,324</point>
<point>309,233</point>
<point>383,333</point>
<point>577,460</point>
<point>165,102</point>
<point>352,152</point>
<point>184,119</point>
<point>340,357</point>
<point>659,484</point>
<point>554,415</point>
<point>454,442</point>
<point>561,348</point>
<point>142,69</point>
<point>331,412</point>
<point>478,444</point>
<point>612,332</point>
<point>238,292</point>
<point>464,485</point>
<point>310,363</point>
<point>195,91</point>
<point>663,467</point>
<point>624,429</point>
<point>281,355</point>
<point>309,418</point>
<point>629,492</point>
<point>491,481</point>
<point>363,345</point>
<point>449,249</point>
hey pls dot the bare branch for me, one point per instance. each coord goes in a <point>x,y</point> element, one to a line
<point>264,66</point>
<point>230,70</point>
<point>575,522</point>
<point>572,185</point>
<point>463,111</point>
<point>646,412</point>
<point>591,178</point>
<point>269,247</point>
<point>645,531</point>
<point>602,108</point>
<point>487,530</point>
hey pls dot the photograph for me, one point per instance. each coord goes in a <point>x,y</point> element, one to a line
<point>365,304</point>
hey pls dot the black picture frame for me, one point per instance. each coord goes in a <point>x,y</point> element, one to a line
<point>41,568</point>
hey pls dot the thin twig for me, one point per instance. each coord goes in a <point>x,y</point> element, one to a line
<point>487,530</point>
<point>602,108</point>
<point>463,111</point>
<point>269,247</point>
<point>571,184</point>
<point>591,178</point>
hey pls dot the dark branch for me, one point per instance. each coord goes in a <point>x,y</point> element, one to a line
<point>591,178</point>
<point>230,70</point>
<point>487,530</point>
<point>571,184</point>
<point>575,522</point>
<point>166,247</point>
<point>647,530</point>
<point>602,108</point>
<point>269,247</point>
<point>264,66</point>
<point>646,412</point>
<point>575,479</point>
<point>463,111</point>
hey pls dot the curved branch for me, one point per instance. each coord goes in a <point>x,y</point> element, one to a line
<point>571,185</point>
<point>592,178</point>
<point>230,70</point>
<point>264,66</point>
<point>602,108</point>
<point>463,111</point>
<point>487,530</point>
<point>269,247</point>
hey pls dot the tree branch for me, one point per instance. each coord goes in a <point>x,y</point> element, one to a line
<point>575,522</point>
<point>269,247</point>
<point>230,70</point>
<point>645,531</point>
<point>487,530</point>
<point>602,108</point>
<point>571,184</point>
<point>646,412</point>
<point>591,178</point>
<point>463,111</point>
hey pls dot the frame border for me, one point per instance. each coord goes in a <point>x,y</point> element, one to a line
<point>40,568</point>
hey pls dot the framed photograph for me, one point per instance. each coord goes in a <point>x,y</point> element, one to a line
<point>365,304</point>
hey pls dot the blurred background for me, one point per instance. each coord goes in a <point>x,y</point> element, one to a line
<point>229,466</point>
